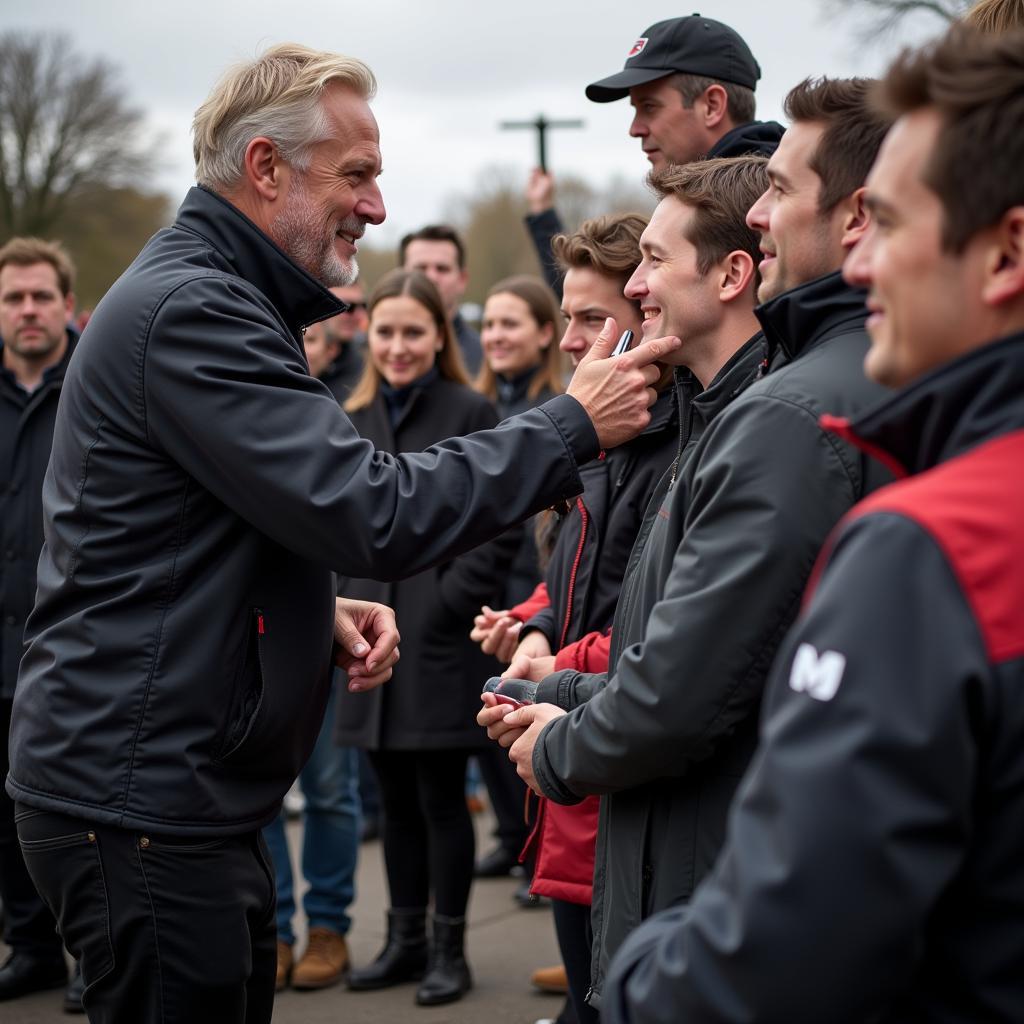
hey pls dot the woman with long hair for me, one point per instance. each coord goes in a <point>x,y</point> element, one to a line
<point>419,729</point>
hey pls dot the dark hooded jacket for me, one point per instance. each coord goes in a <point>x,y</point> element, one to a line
<point>432,698</point>
<point>201,490</point>
<point>715,580</point>
<point>874,866</point>
<point>26,433</point>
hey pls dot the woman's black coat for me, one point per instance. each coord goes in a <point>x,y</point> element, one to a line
<point>433,697</point>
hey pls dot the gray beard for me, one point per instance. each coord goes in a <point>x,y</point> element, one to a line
<point>298,230</point>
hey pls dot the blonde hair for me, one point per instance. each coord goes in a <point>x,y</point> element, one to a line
<point>996,15</point>
<point>276,95</point>
<point>416,285</point>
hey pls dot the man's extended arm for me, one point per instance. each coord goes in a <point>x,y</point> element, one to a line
<point>239,413</point>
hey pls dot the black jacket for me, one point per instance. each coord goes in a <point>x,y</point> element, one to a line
<point>202,487</point>
<point>594,539</point>
<point>874,867</point>
<point>524,573</point>
<point>433,696</point>
<point>719,570</point>
<point>26,433</point>
<point>344,373</point>
<point>757,138</point>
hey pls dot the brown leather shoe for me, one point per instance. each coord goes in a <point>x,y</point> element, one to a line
<point>550,979</point>
<point>324,961</point>
<point>284,965</point>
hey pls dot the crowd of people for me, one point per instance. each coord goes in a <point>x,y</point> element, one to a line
<point>760,571</point>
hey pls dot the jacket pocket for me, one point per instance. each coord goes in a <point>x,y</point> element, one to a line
<point>247,693</point>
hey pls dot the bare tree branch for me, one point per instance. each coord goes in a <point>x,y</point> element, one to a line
<point>64,128</point>
<point>884,16</point>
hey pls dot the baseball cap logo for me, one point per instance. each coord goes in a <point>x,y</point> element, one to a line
<point>638,47</point>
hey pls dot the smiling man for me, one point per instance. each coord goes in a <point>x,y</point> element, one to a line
<point>201,490</point>
<point>667,733</point>
<point>697,278</point>
<point>874,868</point>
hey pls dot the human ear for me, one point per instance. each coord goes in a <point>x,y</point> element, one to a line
<point>736,274</point>
<point>264,169</point>
<point>855,218</point>
<point>1004,264</point>
<point>716,105</point>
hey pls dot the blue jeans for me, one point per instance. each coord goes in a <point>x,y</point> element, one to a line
<point>330,841</point>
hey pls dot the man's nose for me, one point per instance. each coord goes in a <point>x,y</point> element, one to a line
<point>371,206</point>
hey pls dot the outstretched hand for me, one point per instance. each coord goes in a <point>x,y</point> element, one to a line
<point>618,392</point>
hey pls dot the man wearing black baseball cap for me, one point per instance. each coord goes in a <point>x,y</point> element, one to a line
<point>691,82</point>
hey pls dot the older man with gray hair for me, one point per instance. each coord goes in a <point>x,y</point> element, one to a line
<point>203,489</point>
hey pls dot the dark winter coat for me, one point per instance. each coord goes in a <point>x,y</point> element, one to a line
<point>524,574</point>
<point>202,488</point>
<point>433,697</point>
<point>583,578</point>
<point>344,373</point>
<point>720,566</point>
<point>26,433</point>
<point>874,866</point>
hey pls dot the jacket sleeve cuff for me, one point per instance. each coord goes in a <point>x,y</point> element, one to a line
<point>550,785</point>
<point>557,689</point>
<point>542,622</point>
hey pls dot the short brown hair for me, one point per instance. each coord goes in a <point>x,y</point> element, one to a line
<point>720,191</point>
<point>996,15</point>
<point>419,287</point>
<point>741,104</point>
<point>975,80</point>
<point>853,132</point>
<point>609,245</point>
<point>24,252</point>
<point>434,233</point>
<point>544,309</point>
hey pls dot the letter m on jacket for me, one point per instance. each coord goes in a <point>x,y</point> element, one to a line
<point>817,675</point>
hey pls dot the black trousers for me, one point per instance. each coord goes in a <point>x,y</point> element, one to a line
<point>575,937</point>
<point>429,843</point>
<point>167,929</point>
<point>29,926</point>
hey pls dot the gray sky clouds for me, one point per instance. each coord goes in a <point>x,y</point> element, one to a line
<point>448,72</point>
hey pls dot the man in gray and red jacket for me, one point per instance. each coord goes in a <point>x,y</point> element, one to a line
<point>874,867</point>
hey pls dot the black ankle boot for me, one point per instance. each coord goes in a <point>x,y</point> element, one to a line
<point>404,956</point>
<point>447,977</point>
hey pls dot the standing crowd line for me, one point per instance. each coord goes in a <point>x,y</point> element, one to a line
<point>760,572</point>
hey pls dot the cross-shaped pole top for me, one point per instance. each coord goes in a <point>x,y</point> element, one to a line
<point>541,125</point>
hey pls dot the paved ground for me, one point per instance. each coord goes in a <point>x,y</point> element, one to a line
<point>504,945</point>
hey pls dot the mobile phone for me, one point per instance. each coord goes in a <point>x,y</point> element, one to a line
<point>623,344</point>
<point>515,692</point>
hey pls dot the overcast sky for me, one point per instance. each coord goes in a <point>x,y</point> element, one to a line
<point>449,71</point>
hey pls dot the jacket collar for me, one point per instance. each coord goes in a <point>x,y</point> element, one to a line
<point>296,295</point>
<point>795,321</point>
<point>741,370</point>
<point>947,412</point>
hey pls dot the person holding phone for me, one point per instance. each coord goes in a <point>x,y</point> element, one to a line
<point>588,544</point>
